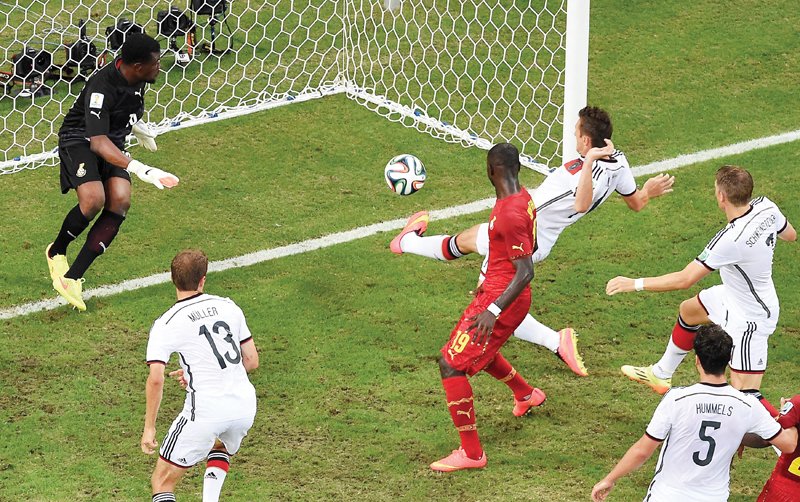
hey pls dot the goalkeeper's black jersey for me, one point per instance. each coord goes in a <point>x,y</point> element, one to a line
<point>107,105</point>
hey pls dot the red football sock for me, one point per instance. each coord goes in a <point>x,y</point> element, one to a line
<point>459,401</point>
<point>502,370</point>
<point>683,334</point>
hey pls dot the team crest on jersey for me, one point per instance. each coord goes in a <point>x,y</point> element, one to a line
<point>574,166</point>
<point>96,100</point>
<point>787,407</point>
<point>81,171</point>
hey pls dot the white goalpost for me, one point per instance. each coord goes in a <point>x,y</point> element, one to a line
<point>474,72</point>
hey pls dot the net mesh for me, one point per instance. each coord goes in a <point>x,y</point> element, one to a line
<point>475,72</point>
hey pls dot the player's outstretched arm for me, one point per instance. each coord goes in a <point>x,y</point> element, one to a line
<point>686,278</point>
<point>153,392</point>
<point>652,188</point>
<point>583,193</point>
<point>634,458</point>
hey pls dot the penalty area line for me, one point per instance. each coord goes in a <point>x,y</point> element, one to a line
<point>369,230</point>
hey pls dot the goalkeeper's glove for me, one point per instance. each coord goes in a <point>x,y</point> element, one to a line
<point>145,135</point>
<point>152,175</point>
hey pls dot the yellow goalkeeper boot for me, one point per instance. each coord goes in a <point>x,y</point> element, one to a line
<point>57,264</point>
<point>71,290</point>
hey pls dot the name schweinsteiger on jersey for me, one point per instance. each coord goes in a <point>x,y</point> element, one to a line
<point>207,332</point>
<point>702,427</point>
<point>742,251</point>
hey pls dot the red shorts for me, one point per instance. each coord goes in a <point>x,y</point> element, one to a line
<point>780,489</point>
<point>463,355</point>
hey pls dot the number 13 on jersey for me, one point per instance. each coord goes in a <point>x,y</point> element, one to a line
<point>237,355</point>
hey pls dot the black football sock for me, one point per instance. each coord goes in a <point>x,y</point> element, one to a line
<point>74,225</point>
<point>100,236</point>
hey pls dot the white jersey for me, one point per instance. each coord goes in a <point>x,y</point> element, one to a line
<point>207,332</point>
<point>555,201</point>
<point>742,251</point>
<point>555,197</point>
<point>702,427</point>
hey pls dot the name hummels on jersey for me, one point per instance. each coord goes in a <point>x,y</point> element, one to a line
<point>713,408</point>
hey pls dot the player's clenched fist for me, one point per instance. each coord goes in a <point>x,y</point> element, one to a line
<point>153,175</point>
<point>619,284</point>
<point>149,442</point>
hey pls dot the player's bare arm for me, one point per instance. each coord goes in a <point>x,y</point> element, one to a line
<point>684,279</point>
<point>153,391</point>
<point>652,188</point>
<point>483,323</point>
<point>249,355</point>
<point>634,458</point>
<point>583,194</point>
<point>789,234</point>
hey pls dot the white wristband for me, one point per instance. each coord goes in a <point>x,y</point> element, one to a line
<point>638,284</point>
<point>494,309</point>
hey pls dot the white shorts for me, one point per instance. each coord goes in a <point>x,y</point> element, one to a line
<point>750,337</point>
<point>544,243</point>
<point>188,442</point>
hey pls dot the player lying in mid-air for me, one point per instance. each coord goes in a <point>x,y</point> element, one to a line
<point>565,196</point>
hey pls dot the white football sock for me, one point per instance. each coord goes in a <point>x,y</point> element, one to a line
<point>212,483</point>
<point>666,366</point>
<point>429,246</point>
<point>533,331</point>
<point>216,470</point>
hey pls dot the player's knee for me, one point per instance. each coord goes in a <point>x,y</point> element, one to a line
<point>445,370</point>
<point>119,205</point>
<point>91,204</point>
<point>692,312</point>
<point>163,479</point>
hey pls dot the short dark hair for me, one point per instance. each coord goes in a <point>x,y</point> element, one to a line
<point>504,155</point>
<point>596,123</point>
<point>736,183</point>
<point>188,268</point>
<point>713,347</point>
<point>139,48</point>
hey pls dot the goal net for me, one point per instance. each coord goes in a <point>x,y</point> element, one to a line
<point>475,72</point>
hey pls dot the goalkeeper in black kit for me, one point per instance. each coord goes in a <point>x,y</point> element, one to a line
<point>91,145</point>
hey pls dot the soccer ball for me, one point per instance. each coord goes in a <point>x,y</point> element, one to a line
<point>405,174</point>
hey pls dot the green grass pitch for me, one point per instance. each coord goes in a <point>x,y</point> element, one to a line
<point>350,402</point>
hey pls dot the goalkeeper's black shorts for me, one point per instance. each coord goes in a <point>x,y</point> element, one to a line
<point>79,165</point>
